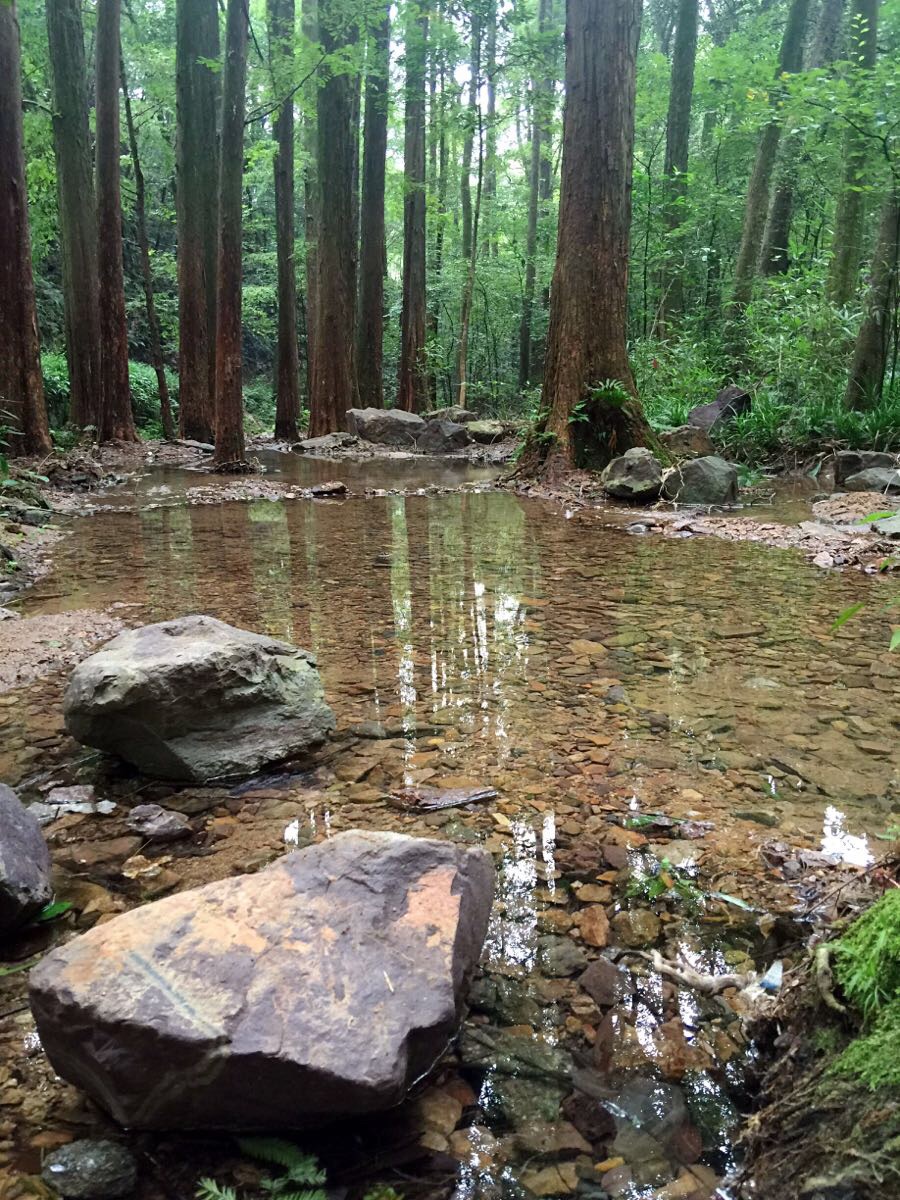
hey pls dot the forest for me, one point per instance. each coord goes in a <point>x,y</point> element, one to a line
<point>267,216</point>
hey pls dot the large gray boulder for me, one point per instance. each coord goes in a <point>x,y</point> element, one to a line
<point>442,437</point>
<point>709,480</point>
<point>636,475</point>
<point>730,402</point>
<point>321,987</point>
<point>874,479</point>
<point>851,462</point>
<point>25,885</point>
<point>489,431</point>
<point>387,426</point>
<point>197,700</point>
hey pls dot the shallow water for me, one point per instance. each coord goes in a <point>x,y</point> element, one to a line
<point>584,672</point>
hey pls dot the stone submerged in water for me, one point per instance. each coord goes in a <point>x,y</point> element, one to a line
<point>25,885</point>
<point>636,475</point>
<point>197,700</point>
<point>386,426</point>
<point>705,481</point>
<point>91,1170</point>
<point>321,987</point>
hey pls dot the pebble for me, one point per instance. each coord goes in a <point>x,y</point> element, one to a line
<point>91,1170</point>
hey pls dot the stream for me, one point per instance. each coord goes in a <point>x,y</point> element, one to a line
<point>618,690</point>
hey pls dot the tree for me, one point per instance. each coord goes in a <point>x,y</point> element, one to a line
<point>589,397</point>
<point>334,370</point>
<point>866,381</point>
<point>116,420</point>
<point>790,60</point>
<point>851,208</point>
<point>678,132</point>
<point>287,368</point>
<point>196,200</point>
<point>310,23</point>
<point>77,207</point>
<point>373,253</point>
<point>229,398</point>
<point>412,383</point>
<point>140,214</point>
<point>21,383</point>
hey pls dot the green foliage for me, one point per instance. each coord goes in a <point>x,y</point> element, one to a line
<point>661,881</point>
<point>867,957</point>
<point>144,392</point>
<point>301,1177</point>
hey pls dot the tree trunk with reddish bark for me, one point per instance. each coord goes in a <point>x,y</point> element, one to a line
<point>372,253</point>
<point>866,382</point>
<point>229,396</point>
<point>196,202</point>
<point>77,208</point>
<point>589,395</point>
<point>21,384</point>
<point>412,383</point>
<point>116,419</point>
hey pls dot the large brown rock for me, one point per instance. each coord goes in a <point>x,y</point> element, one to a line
<point>195,699</point>
<point>321,987</point>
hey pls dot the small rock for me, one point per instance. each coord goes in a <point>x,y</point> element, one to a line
<point>636,927</point>
<point>560,1179</point>
<point>91,1170</point>
<point>485,433</point>
<point>606,984</point>
<point>636,475</point>
<point>545,1138</point>
<point>705,481</point>
<point>155,823</point>
<point>332,487</point>
<point>560,956</point>
<point>25,886</point>
<point>888,527</point>
<point>593,925</point>
<point>326,444</point>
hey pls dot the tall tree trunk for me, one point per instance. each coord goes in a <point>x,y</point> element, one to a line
<point>334,377</point>
<point>442,158</point>
<point>465,184</point>
<point>534,185</point>
<point>790,61</point>
<point>851,208</point>
<point>229,396</point>
<point>116,420</point>
<point>196,204</point>
<point>372,253</point>
<point>310,23</point>
<point>287,366</point>
<point>412,383</point>
<point>678,133</point>
<point>866,381</point>
<point>77,208</point>
<point>465,312</point>
<point>586,344</point>
<point>140,219</point>
<point>775,253</point>
<point>21,382</point>
<point>490,165</point>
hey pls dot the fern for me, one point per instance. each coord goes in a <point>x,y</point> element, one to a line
<point>208,1189</point>
<point>299,1167</point>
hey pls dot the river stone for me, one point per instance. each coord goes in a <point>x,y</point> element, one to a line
<point>387,426</point>
<point>328,443</point>
<point>488,432</point>
<point>442,437</point>
<point>90,1170</point>
<point>636,475</point>
<point>851,462</point>
<point>687,441</point>
<point>874,479</point>
<point>322,986</point>
<point>197,700</point>
<point>25,886</point>
<point>709,480</point>
<point>730,402</point>
<point>157,824</point>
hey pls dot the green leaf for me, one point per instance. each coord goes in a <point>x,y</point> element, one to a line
<point>895,640</point>
<point>51,911</point>
<point>847,615</point>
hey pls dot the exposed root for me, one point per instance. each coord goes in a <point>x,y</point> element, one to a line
<point>825,978</point>
<point>709,985</point>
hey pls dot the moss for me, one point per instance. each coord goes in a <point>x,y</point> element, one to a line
<point>872,1057</point>
<point>867,958</point>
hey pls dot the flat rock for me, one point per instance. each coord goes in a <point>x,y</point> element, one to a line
<point>25,886</point>
<point>328,443</point>
<point>874,479</point>
<point>636,475</point>
<point>706,481</point>
<point>197,700</point>
<point>322,986</point>
<point>386,426</point>
<point>157,824</point>
<point>851,462</point>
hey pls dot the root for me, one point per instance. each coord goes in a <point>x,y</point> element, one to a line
<point>825,979</point>
<point>709,985</point>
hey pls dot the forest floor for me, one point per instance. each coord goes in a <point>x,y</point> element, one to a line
<point>689,762</point>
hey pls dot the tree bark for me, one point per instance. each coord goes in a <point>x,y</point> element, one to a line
<point>465,179</point>
<point>412,382</point>
<point>287,362</point>
<point>790,60</point>
<point>116,420</point>
<point>229,396</point>
<point>866,381</point>
<point>196,202</point>
<point>373,253</point>
<point>77,208</point>
<point>490,136</point>
<point>851,208</point>
<point>140,218</point>
<point>465,314</point>
<point>21,383</point>
<point>310,23</point>
<point>586,344</point>
<point>334,375</point>
<point>678,133</point>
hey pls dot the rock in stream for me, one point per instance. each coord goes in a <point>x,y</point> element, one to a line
<point>323,986</point>
<point>25,885</point>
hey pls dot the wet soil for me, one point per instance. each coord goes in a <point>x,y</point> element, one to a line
<point>679,741</point>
